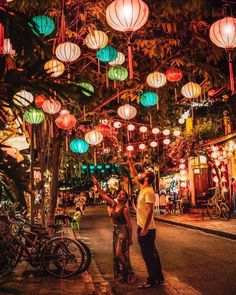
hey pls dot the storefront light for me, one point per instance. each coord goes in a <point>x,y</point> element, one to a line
<point>142,146</point>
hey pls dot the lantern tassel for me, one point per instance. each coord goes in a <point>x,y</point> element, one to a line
<point>67,143</point>
<point>99,68</point>
<point>51,128</point>
<point>107,79</point>
<point>130,59</point>
<point>231,72</point>
<point>95,157</point>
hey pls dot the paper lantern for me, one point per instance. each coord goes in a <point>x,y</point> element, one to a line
<point>155,130</point>
<point>39,100</point>
<point>104,129</point>
<point>118,73</point>
<point>94,137</point>
<point>42,25</point>
<point>181,121</point>
<point>130,148</point>
<point>166,132</point>
<point>153,144</point>
<point>118,61</point>
<point>142,146</point>
<point>34,116</point>
<point>7,47</point>
<point>149,99</point>
<point>107,54</point>
<point>211,92</point>
<point>166,141</point>
<point>182,172</point>
<point>68,52</point>
<point>182,166</point>
<point>66,121</point>
<point>54,68</point>
<point>79,146</point>
<point>51,106</point>
<point>127,112</point>
<point>86,86</point>
<point>96,40</point>
<point>174,75</point>
<point>191,90</point>
<point>176,133</point>
<point>18,142</point>
<point>156,79</point>
<point>127,15</point>
<point>117,124</point>
<point>143,129</point>
<point>130,127</point>
<point>23,98</point>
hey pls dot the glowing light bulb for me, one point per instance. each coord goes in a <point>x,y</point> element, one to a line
<point>130,127</point>
<point>142,146</point>
<point>153,144</point>
<point>181,121</point>
<point>155,130</point>
<point>130,148</point>
<point>143,129</point>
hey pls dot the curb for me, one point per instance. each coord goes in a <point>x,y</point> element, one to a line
<point>203,229</point>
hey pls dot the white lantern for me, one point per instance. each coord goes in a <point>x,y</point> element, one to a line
<point>153,144</point>
<point>182,166</point>
<point>117,125</point>
<point>166,132</point>
<point>93,137</point>
<point>143,129</point>
<point>142,146</point>
<point>119,60</point>
<point>23,98</point>
<point>68,52</point>
<point>166,141</point>
<point>191,90</point>
<point>127,112</point>
<point>130,148</point>
<point>96,40</point>
<point>183,172</point>
<point>155,130</point>
<point>130,127</point>
<point>156,79</point>
<point>181,121</point>
<point>176,133</point>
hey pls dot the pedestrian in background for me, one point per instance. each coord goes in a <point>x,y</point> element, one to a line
<point>146,227</point>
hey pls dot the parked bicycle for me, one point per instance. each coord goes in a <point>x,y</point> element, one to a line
<point>217,207</point>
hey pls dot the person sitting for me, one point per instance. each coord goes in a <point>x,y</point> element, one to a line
<point>169,206</point>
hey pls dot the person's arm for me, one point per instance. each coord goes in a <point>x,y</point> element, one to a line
<point>134,172</point>
<point>150,208</point>
<point>102,193</point>
<point>129,224</point>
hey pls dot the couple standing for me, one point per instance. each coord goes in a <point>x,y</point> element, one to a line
<point>146,231</point>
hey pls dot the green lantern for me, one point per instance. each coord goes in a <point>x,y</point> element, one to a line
<point>42,25</point>
<point>107,54</point>
<point>79,146</point>
<point>86,86</point>
<point>107,166</point>
<point>91,167</point>
<point>118,73</point>
<point>34,116</point>
<point>84,167</point>
<point>149,99</point>
<point>99,166</point>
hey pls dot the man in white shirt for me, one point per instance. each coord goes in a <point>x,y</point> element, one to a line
<point>146,227</point>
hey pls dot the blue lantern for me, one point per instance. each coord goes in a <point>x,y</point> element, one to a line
<point>107,166</point>
<point>79,146</point>
<point>84,167</point>
<point>107,54</point>
<point>99,166</point>
<point>149,99</point>
<point>91,167</point>
<point>42,25</point>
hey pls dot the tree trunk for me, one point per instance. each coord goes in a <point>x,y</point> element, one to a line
<point>56,148</point>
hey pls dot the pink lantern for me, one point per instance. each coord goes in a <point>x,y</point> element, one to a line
<point>127,16</point>
<point>174,75</point>
<point>127,112</point>
<point>51,106</point>
<point>66,121</point>
<point>117,125</point>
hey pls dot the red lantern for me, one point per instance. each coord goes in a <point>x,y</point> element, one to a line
<point>174,75</point>
<point>66,121</point>
<point>104,129</point>
<point>39,100</point>
<point>51,106</point>
<point>211,92</point>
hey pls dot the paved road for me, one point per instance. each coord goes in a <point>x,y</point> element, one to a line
<point>194,263</point>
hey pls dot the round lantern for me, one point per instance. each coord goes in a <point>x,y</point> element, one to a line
<point>166,141</point>
<point>182,166</point>
<point>66,121</point>
<point>39,100</point>
<point>51,106</point>
<point>94,137</point>
<point>118,61</point>
<point>87,86</point>
<point>174,75</point>
<point>79,146</point>
<point>176,133</point>
<point>107,54</point>
<point>166,132</point>
<point>127,15</point>
<point>211,92</point>
<point>143,129</point>
<point>34,116</point>
<point>118,73</point>
<point>156,79</point>
<point>23,98</point>
<point>191,90</point>
<point>7,47</point>
<point>117,124</point>
<point>127,112</point>
<point>142,146</point>
<point>181,121</point>
<point>54,68</point>
<point>131,127</point>
<point>130,148</point>
<point>149,99</point>
<point>153,144</point>
<point>68,52</point>
<point>42,25</point>
<point>155,130</point>
<point>96,40</point>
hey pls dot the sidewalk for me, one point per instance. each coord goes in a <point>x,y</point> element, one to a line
<point>29,281</point>
<point>195,220</point>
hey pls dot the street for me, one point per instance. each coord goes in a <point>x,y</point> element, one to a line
<point>193,262</point>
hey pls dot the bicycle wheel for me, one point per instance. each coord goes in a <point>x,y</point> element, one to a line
<point>87,256</point>
<point>213,211</point>
<point>225,211</point>
<point>62,257</point>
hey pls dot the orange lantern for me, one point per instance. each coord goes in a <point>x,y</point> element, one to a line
<point>39,100</point>
<point>66,121</point>
<point>156,79</point>
<point>174,75</point>
<point>51,106</point>
<point>127,16</point>
<point>96,40</point>
<point>54,68</point>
